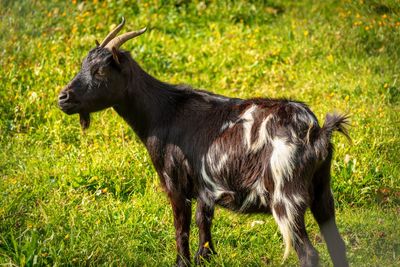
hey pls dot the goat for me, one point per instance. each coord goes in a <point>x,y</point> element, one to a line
<point>256,155</point>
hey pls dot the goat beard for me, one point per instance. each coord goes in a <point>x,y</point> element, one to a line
<point>84,120</point>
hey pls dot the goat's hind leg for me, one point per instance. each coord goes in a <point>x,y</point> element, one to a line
<point>204,216</point>
<point>323,209</point>
<point>289,216</point>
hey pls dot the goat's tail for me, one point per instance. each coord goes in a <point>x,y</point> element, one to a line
<point>336,122</point>
<point>333,122</point>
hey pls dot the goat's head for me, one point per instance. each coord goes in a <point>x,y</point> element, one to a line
<point>100,83</point>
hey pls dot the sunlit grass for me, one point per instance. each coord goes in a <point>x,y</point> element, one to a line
<point>68,197</point>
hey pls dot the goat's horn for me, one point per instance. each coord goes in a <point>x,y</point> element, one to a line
<point>119,40</point>
<point>113,33</point>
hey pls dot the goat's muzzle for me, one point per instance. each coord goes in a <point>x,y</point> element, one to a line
<point>67,102</point>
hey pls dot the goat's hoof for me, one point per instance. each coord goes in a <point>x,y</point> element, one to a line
<point>311,260</point>
<point>181,262</point>
<point>203,255</point>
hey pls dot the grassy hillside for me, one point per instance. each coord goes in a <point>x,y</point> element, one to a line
<point>68,197</point>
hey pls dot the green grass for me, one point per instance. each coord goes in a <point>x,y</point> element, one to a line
<point>93,198</point>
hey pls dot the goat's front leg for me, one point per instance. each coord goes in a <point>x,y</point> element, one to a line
<point>204,216</point>
<point>182,209</point>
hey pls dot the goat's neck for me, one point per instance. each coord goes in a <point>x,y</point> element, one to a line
<point>149,103</point>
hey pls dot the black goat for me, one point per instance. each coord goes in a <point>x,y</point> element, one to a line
<point>255,155</point>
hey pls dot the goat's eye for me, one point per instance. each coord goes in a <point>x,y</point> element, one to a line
<point>99,73</point>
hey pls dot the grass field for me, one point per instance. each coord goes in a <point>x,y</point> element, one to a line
<point>93,198</point>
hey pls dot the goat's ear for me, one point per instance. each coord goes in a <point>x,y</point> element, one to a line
<point>97,43</point>
<point>115,55</point>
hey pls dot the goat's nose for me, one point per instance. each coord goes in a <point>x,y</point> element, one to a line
<point>63,97</point>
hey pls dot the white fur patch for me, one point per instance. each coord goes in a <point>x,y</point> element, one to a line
<point>226,125</point>
<point>287,224</point>
<point>281,161</point>
<point>287,232</point>
<point>291,206</point>
<point>248,121</point>
<point>298,199</point>
<point>216,159</point>
<point>205,176</point>
<point>221,162</point>
<point>216,190</point>
<point>263,136</point>
<point>211,154</point>
<point>282,164</point>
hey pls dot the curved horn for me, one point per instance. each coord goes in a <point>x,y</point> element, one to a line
<point>113,33</point>
<point>119,40</point>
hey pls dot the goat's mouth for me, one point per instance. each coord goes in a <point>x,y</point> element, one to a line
<point>69,107</point>
<point>72,108</point>
<point>68,102</point>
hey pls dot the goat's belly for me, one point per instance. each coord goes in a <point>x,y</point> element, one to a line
<point>244,201</point>
<point>238,186</point>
